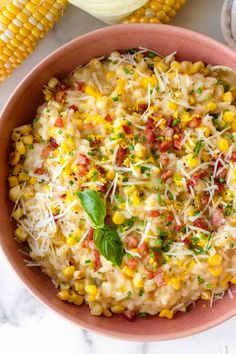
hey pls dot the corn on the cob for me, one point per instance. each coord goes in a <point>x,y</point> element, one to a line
<point>22,24</point>
<point>156,11</point>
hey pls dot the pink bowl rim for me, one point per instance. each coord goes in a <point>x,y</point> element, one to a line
<point>122,28</point>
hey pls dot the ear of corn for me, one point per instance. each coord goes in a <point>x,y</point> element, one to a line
<point>22,24</point>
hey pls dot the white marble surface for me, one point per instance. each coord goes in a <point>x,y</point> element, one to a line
<point>26,326</point>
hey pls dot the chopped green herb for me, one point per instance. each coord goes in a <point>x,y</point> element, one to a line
<point>115,98</point>
<point>200,280</point>
<point>129,295</point>
<point>91,153</point>
<point>199,90</point>
<point>143,314</point>
<point>198,148</point>
<point>141,291</point>
<point>175,122</point>
<point>208,286</point>
<point>31,146</point>
<point>151,54</point>
<point>88,261</point>
<point>128,71</point>
<point>70,153</point>
<point>231,245</point>
<point>226,87</point>
<point>71,183</point>
<point>60,132</point>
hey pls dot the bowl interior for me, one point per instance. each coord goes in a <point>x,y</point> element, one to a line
<point>21,108</point>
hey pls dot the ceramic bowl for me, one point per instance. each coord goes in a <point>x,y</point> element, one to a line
<point>21,108</point>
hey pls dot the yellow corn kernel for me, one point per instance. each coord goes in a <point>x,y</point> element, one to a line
<point>140,150</point>
<point>17,214</point>
<point>117,308</point>
<point>32,180</point>
<point>24,129</point>
<point>192,161</point>
<point>79,286</point>
<point>13,181</point>
<point>110,175</point>
<point>175,283</point>
<point>92,291</point>
<point>53,82</point>
<point>130,190</point>
<point>27,139</point>
<point>15,136</point>
<point>76,299</point>
<point>23,177</point>
<point>68,271</point>
<point>211,106</point>
<point>20,147</point>
<point>227,97</point>
<point>14,193</point>
<point>138,283</point>
<point>215,260</point>
<point>228,116</point>
<point>185,118</point>
<point>128,271</point>
<point>233,280</point>
<point>14,158</point>
<point>206,295</point>
<point>178,180</point>
<point>225,280</point>
<point>63,295</point>
<point>216,271</point>
<point>135,199</point>
<point>233,126</point>
<point>223,145</point>
<point>175,65</point>
<point>206,131</point>
<point>107,313</point>
<point>166,313</point>
<point>96,310</point>
<point>71,241</point>
<point>197,67</point>
<point>21,234</point>
<point>192,100</point>
<point>172,106</point>
<point>118,218</point>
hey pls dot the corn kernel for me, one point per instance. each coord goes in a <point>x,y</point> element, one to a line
<point>216,271</point>
<point>135,199</point>
<point>228,116</point>
<point>223,145</point>
<point>206,131</point>
<point>117,308</point>
<point>166,313</point>
<point>23,177</point>
<point>172,106</point>
<point>76,299</point>
<point>24,129</point>
<point>130,190</point>
<point>128,271</point>
<point>17,214</point>
<point>138,283</point>
<point>233,280</point>
<point>27,139</point>
<point>197,67</point>
<point>233,126</point>
<point>68,271</point>
<point>140,150</point>
<point>227,97</point>
<point>107,313</point>
<point>118,218</point>
<point>211,106</point>
<point>79,286</point>
<point>96,310</point>
<point>20,147</point>
<point>21,234</point>
<point>71,241</point>
<point>14,193</point>
<point>215,260</point>
<point>206,295</point>
<point>13,181</point>
<point>63,295</point>
<point>15,136</point>
<point>53,82</point>
<point>92,291</point>
<point>192,161</point>
<point>14,158</point>
<point>175,283</point>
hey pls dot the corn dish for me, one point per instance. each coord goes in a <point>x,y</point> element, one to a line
<point>124,185</point>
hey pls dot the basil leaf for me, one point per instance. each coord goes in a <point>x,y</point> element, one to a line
<point>109,244</point>
<point>94,206</point>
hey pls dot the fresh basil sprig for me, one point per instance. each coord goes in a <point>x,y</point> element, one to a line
<point>106,238</point>
<point>109,244</point>
<point>94,206</point>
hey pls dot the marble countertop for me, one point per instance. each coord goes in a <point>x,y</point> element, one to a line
<point>26,326</point>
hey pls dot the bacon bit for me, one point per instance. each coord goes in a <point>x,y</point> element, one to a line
<point>46,152</point>
<point>170,217</point>
<point>167,174</point>
<point>149,274</point>
<point>186,242</point>
<point>221,186</point>
<point>204,199</point>
<point>132,262</point>
<point>164,159</point>
<point>89,238</point>
<point>218,218</point>
<point>82,159</point>
<point>153,213</point>
<point>201,223</point>
<point>143,250</point>
<point>129,314</point>
<point>150,124</point>
<point>127,129</point>
<point>177,228</point>
<point>120,156</point>
<point>97,263</point>
<point>60,95</point>
<point>164,145</point>
<point>59,123</point>
<point>88,128</point>
<point>222,173</point>
<point>169,121</point>
<point>39,171</point>
<point>160,280</point>
<point>178,143</point>
<point>53,144</point>
<point>80,86</point>
<point>109,118</point>
<point>83,170</point>
<point>195,122</point>
<point>131,242</point>
<point>75,109</point>
<point>102,188</point>
<point>233,157</point>
<point>196,178</point>
<point>167,132</point>
<point>142,108</point>
<point>150,136</point>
